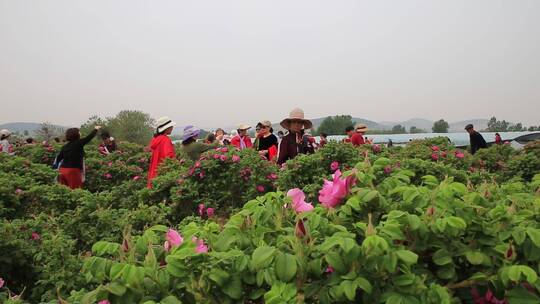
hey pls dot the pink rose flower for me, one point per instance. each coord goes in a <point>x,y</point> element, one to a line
<point>260,188</point>
<point>299,204</point>
<point>210,212</point>
<point>136,177</point>
<point>201,209</point>
<point>18,191</point>
<point>107,175</point>
<point>333,192</point>
<point>201,175</point>
<point>173,239</point>
<point>272,176</point>
<point>224,149</point>
<point>216,156</point>
<point>460,154</point>
<point>435,148</point>
<point>35,236</point>
<point>223,157</point>
<point>334,166</point>
<point>104,302</point>
<point>201,247</point>
<point>376,148</point>
<point>2,282</point>
<point>235,158</point>
<point>434,156</point>
<point>329,269</point>
<point>388,169</point>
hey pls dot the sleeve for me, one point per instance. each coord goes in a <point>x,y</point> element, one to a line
<point>283,151</point>
<point>88,138</point>
<point>168,150</point>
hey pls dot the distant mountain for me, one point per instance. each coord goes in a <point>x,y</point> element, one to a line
<point>20,127</point>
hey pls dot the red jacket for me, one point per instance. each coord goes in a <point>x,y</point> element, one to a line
<point>236,141</point>
<point>161,147</point>
<point>357,139</point>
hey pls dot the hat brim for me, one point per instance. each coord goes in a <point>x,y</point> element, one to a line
<point>165,127</point>
<point>286,123</point>
<point>362,130</point>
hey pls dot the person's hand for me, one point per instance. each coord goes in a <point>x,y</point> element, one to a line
<point>97,127</point>
<point>262,152</point>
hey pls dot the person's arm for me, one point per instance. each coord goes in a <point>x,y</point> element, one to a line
<point>83,141</point>
<point>283,151</point>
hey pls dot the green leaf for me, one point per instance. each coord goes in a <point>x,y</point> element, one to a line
<point>371,195</point>
<point>349,288</point>
<point>170,300</point>
<point>514,273</point>
<point>521,295</point>
<point>407,256</point>
<point>529,273</point>
<point>456,222</point>
<point>262,257</point>
<point>534,235</point>
<point>442,257</point>
<point>335,260</point>
<point>474,257</point>
<point>234,288</point>
<point>219,276</point>
<point>101,248</point>
<point>364,284</point>
<point>285,267</point>
<point>116,288</point>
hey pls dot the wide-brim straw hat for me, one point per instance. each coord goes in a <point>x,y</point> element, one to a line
<point>243,126</point>
<point>189,132</point>
<point>296,115</point>
<point>163,123</point>
<point>361,128</point>
<point>5,132</point>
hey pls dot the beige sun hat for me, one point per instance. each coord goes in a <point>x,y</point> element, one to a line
<point>266,123</point>
<point>243,126</point>
<point>5,132</point>
<point>163,123</point>
<point>361,128</point>
<point>298,115</point>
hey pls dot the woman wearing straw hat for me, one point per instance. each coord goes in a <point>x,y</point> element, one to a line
<point>190,146</point>
<point>291,144</point>
<point>242,140</point>
<point>357,138</point>
<point>5,146</point>
<point>161,146</point>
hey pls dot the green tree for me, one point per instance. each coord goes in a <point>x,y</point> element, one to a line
<point>398,129</point>
<point>414,130</point>
<point>93,121</point>
<point>495,125</point>
<point>440,126</point>
<point>48,131</point>
<point>132,126</point>
<point>335,125</point>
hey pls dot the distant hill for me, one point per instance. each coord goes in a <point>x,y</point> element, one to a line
<point>20,127</point>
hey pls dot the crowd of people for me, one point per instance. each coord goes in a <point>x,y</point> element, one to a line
<point>296,140</point>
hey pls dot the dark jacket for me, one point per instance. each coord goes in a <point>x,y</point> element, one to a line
<point>477,142</point>
<point>72,153</point>
<point>289,148</point>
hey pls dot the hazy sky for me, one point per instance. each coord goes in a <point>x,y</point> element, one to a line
<point>222,62</point>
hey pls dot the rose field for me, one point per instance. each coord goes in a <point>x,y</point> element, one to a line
<point>422,223</point>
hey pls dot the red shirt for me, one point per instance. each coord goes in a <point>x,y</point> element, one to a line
<point>236,141</point>
<point>357,139</point>
<point>162,147</point>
